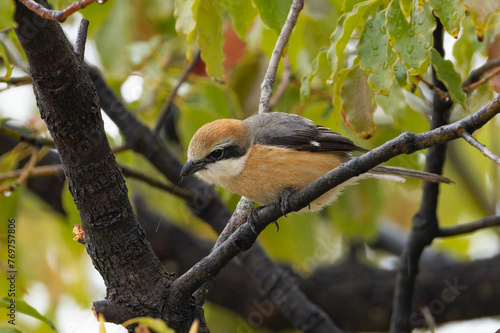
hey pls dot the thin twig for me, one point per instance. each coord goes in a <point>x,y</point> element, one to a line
<point>178,191</point>
<point>38,171</point>
<point>269,78</point>
<point>238,218</point>
<point>16,81</point>
<point>168,103</point>
<point>285,81</point>
<point>490,221</point>
<point>479,82</point>
<point>318,92</point>
<point>479,146</point>
<point>20,136</point>
<point>476,74</point>
<point>81,39</point>
<point>58,15</point>
<point>442,94</point>
<point>24,174</point>
<point>470,180</point>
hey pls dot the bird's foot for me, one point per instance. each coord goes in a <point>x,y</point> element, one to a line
<point>252,217</point>
<point>282,201</point>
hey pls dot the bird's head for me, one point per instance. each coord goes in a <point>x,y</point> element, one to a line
<point>218,150</point>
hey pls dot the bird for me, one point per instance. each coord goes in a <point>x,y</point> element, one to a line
<point>270,154</point>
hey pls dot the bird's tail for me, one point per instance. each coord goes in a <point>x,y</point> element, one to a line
<point>398,174</point>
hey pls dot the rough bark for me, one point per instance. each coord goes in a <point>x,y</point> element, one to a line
<point>136,282</point>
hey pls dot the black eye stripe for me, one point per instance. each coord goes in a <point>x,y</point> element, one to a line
<point>228,152</point>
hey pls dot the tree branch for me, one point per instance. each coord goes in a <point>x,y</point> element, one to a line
<point>479,146</point>
<point>81,39</point>
<point>490,221</point>
<point>476,74</point>
<point>39,171</point>
<point>425,224</point>
<point>22,136</point>
<point>484,79</point>
<point>168,103</point>
<point>285,81</point>
<point>269,78</point>
<point>58,15</point>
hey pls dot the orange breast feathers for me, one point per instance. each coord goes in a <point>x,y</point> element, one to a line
<point>269,171</point>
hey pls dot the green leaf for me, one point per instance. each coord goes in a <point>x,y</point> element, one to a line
<point>155,324</point>
<point>345,27</point>
<point>72,214</point>
<point>273,12</point>
<point>406,6</point>
<point>210,37</point>
<point>7,15</point>
<point>446,73</point>
<point>185,23</point>
<point>96,13</point>
<point>376,55</point>
<point>306,80</point>
<point>480,12</point>
<point>358,103</point>
<point>400,72</point>
<point>451,13</point>
<point>349,5</point>
<point>242,14</point>
<point>411,41</point>
<point>466,46</point>
<point>25,308</point>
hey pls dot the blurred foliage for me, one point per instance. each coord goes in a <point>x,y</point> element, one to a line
<point>356,68</point>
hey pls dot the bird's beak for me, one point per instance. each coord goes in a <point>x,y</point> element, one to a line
<point>190,168</point>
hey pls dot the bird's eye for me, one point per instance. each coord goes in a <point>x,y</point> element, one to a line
<point>217,154</point>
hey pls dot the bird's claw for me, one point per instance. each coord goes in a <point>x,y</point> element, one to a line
<point>252,217</point>
<point>282,201</point>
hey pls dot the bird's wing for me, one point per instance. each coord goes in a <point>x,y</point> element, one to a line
<point>298,133</point>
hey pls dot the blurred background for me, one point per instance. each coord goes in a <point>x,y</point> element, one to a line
<point>142,48</point>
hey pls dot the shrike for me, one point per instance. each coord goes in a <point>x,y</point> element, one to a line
<point>268,154</point>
